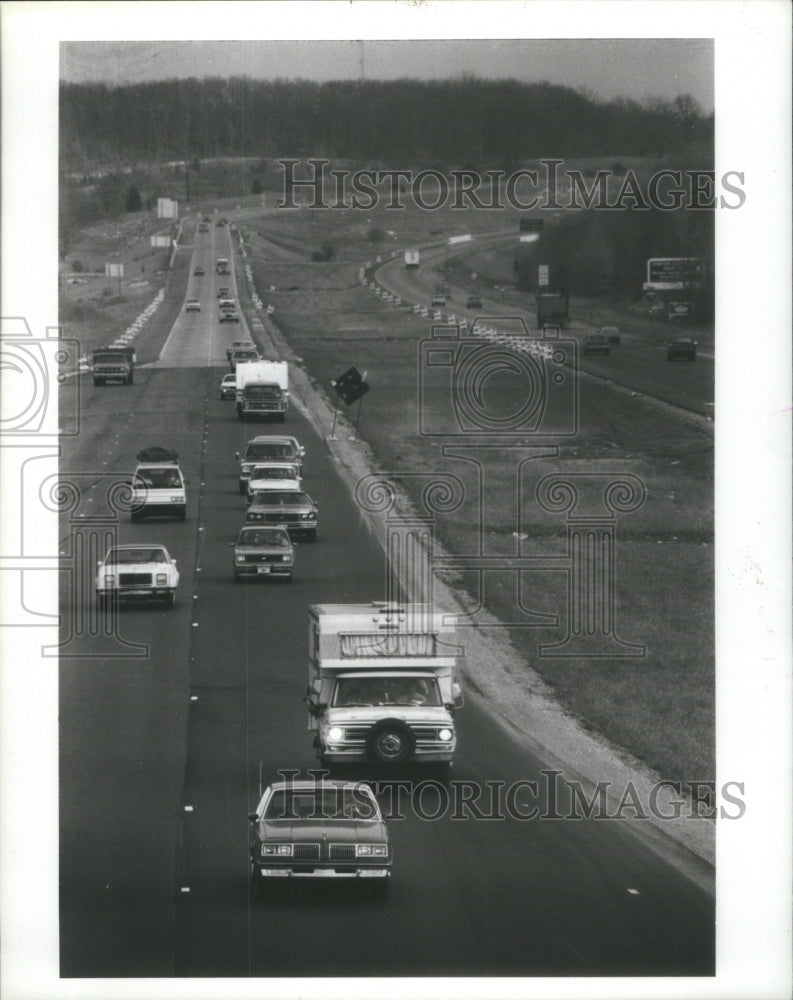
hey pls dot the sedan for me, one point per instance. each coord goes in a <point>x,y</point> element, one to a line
<point>473,302</point>
<point>228,317</point>
<point>681,348</point>
<point>228,386</point>
<point>263,551</point>
<point>199,272</point>
<point>273,476</point>
<point>192,305</point>
<point>294,509</point>
<point>319,830</point>
<point>596,343</point>
<point>611,333</point>
<point>137,572</point>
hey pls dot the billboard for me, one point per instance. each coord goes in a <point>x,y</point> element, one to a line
<point>674,272</point>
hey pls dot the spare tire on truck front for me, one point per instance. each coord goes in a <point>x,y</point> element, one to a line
<point>391,741</point>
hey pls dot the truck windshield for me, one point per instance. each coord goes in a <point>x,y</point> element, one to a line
<point>351,691</point>
<point>258,449</point>
<point>262,392</point>
<point>273,472</point>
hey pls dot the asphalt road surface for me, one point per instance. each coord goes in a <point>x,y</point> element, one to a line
<point>162,754</point>
<point>638,363</point>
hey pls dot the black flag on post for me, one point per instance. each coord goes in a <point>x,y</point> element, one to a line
<point>350,386</point>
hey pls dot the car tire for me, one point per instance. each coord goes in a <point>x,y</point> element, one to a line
<point>97,381</point>
<point>182,515</point>
<point>390,741</point>
<point>311,534</point>
<point>170,600</point>
<point>136,515</point>
<point>243,487</point>
<point>130,379</point>
<point>281,417</point>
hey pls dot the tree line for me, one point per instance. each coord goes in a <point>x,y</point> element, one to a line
<point>465,120</point>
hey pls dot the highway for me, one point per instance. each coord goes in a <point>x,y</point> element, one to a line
<point>161,756</point>
<point>637,364</point>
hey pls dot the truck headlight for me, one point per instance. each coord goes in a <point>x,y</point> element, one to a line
<point>239,557</point>
<point>335,734</point>
<point>109,579</point>
<point>246,470</point>
<point>445,735</point>
<point>161,579</point>
<point>286,558</point>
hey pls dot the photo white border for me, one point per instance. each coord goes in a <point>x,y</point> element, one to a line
<point>753,542</point>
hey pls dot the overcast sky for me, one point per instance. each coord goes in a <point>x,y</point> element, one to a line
<point>622,67</point>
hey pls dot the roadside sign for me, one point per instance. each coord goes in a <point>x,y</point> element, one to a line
<point>674,272</point>
<point>350,386</point>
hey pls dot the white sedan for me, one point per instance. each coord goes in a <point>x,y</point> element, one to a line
<point>140,572</point>
<point>228,386</point>
<point>273,476</point>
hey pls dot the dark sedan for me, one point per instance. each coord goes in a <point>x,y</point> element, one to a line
<point>319,830</point>
<point>295,510</point>
<point>596,343</point>
<point>681,348</point>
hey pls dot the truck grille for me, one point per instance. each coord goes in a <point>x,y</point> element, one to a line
<point>134,579</point>
<point>423,734</point>
<point>307,852</point>
<point>356,734</point>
